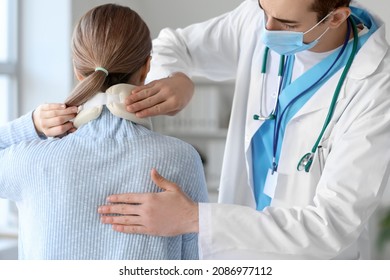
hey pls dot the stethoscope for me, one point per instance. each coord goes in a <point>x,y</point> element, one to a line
<point>271,115</point>
<point>306,161</point>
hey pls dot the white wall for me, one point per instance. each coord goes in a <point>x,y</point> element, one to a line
<point>46,27</point>
<point>381,8</point>
<point>179,13</point>
<point>45,65</point>
<point>81,7</point>
<point>165,13</point>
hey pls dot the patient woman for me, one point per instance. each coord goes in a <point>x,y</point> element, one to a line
<point>59,183</point>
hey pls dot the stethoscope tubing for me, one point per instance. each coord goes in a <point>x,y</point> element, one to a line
<point>306,160</point>
<point>262,116</point>
<point>309,156</point>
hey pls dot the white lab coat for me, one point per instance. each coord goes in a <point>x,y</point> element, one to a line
<point>312,215</point>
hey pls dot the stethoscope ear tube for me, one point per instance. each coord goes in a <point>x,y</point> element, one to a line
<point>271,116</point>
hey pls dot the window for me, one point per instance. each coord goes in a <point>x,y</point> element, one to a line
<point>8,60</point>
<point>8,87</point>
<point>4,91</point>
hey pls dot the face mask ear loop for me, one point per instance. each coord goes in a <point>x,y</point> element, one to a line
<point>318,23</point>
<point>319,38</point>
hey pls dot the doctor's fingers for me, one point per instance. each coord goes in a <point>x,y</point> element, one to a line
<point>142,92</point>
<point>127,220</point>
<point>149,107</point>
<point>157,104</point>
<point>163,108</point>
<point>135,229</point>
<point>134,224</point>
<point>162,97</point>
<point>123,209</point>
<point>134,198</point>
<point>128,224</point>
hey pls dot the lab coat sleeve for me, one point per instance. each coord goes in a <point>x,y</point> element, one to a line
<point>209,49</point>
<point>355,176</point>
<point>18,130</point>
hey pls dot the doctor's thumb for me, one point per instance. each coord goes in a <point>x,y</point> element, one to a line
<point>161,182</point>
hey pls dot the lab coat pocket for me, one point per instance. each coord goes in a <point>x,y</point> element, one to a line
<point>294,190</point>
<point>325,145</point>
<point>322,153</point>
<point>321,159</point>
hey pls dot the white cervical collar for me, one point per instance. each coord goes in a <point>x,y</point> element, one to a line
<point>114,99</point>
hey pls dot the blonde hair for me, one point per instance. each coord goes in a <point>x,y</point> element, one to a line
<point>112,37</point>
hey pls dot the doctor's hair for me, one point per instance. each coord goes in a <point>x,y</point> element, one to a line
<point>111,37</point>
<point>324,7</point>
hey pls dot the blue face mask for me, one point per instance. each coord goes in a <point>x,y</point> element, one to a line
<point>289,42</point>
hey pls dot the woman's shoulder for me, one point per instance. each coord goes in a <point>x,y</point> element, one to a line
<point>170,143</point>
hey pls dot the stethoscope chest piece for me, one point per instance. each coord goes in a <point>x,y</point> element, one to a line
<point>305,162</point>
<point>260,118</point>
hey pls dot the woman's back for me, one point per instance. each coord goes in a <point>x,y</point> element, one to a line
<point>59,184</point>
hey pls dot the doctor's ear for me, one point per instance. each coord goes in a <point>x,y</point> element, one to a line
<point>339,16</point>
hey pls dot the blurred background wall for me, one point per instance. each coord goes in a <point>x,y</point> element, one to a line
<point>46,27</point>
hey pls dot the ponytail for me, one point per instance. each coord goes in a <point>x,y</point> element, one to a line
<point>110,36</point>
<point>86,89</point>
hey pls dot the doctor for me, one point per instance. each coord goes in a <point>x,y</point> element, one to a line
<point>307,153</point>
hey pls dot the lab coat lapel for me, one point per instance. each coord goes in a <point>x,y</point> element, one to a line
<point>375,49</point>
<point>299,95</point>
<point>322,98</point>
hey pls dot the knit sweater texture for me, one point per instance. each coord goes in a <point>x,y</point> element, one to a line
<point>59,183</point>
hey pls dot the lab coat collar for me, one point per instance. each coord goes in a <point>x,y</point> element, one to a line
<point>376,46</point>
<point>375,49</point>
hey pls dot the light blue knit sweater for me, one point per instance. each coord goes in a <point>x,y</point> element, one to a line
<point>58,185</point>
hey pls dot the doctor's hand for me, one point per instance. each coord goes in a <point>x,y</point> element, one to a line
<point>167,213</point>
<point>167,96</point>
<point>54,119</point>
